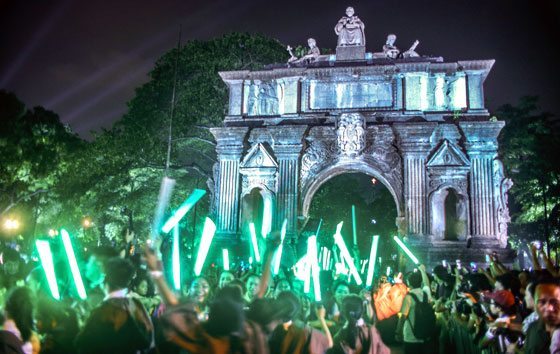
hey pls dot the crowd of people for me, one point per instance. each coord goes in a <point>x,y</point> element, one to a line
<point>131,308</point>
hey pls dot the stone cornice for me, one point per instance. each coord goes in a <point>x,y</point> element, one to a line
<point>482,66</point>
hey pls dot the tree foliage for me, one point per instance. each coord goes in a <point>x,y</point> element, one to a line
<point>35,151</point>
<point>121,170</point>
<point>529,146</point>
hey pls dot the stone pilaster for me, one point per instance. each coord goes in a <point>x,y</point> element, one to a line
<point>414,144</point>
<point>288,143</point>
<point>481,144</point>
<point>230,145</point>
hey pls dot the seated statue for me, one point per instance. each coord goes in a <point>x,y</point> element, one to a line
<point>350,30</point>
<point>312,54</point>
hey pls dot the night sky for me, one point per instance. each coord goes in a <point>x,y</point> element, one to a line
<point>83,59</point>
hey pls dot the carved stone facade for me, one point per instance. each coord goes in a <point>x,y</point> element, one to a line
<point>289,130</point>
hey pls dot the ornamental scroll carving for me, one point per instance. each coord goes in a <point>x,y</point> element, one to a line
<point>351,134</point>
<point>501,187</point>
<point>316,156</point>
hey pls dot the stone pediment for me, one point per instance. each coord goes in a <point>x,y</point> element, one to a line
<point>448,155</point>
<point>259,157</point>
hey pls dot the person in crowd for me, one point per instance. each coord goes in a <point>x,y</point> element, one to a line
<point>530,305</point>
<point>540,332</point>
<point>58,326</point>
<point>357,336</point>
<point>143,290</point>
<point>340,289</point>
<point>500,333</point>
<point>199,295</point>
<point>226,277</point>
<point>409,325</point>
<point>252,283</point>
<point>281,285</point>
<point>120,324</point>
<point>19,320</point>
<point>293,337</point>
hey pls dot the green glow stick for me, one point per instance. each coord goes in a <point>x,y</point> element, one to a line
<point>267,217</point>
<point>73,264</point>
<point>254,242</point>
<point>299,268</point>
<point>44,249</point>
<point>307,270</point>
<point>372,260</point>
<point>354,232</point>
<point>345,254</point>
<point>165,191</point>
<point>312,251</point>
<point>205,241</point>
<point>183,210</point>
<point>319,227</point>
<point>388,271</point>
<point>278,256</point>
<point>406,250</point>
<point>176,259</point>
<point>225,255</point>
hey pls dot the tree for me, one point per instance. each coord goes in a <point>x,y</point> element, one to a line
<point>529,146</point>
<point>35,149</point>
<point>120,171</point>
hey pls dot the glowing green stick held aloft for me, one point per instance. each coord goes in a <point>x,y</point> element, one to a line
<point>45,254</point>
<point>354,232</point>
<point>176,259</point>
<point>165,191</point>
<point>372,260</point>
<point>345,254</point>
<point>406,250</point>
<point>278,256</point>
<point>225,255</point>
<point>205,241</point>
<point>312,254</point>
<point>267,217</point>
<point>254,242</point>
<point>183,210</point>
<point>73,264</point>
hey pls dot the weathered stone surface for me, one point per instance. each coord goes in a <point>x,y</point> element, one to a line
<point>417,126</point>
<point>351,53</point>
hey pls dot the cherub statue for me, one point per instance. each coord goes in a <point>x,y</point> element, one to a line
<point>389,48</point>
<point>312,54</point>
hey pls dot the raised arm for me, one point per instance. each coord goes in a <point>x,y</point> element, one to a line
<point>156,272</point>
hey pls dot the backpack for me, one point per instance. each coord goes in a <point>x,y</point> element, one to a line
<point>9,343</point>
<point>424,326</point>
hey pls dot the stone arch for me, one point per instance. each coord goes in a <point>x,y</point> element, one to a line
<point>348,167</point>
<point>438,220</point>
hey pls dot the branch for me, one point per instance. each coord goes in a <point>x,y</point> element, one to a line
<point>14,203</point>
<point>196,138</point>
<point>198,169</point>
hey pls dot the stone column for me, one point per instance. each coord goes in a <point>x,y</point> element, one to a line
<point>481,144</point>
<point>287,149</point>
<point>414,144</point>
<point>230,144</point>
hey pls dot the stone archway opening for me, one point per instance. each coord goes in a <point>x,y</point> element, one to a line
<point>375,208</point>
<point>449,215</point>
<point>256,207</point>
